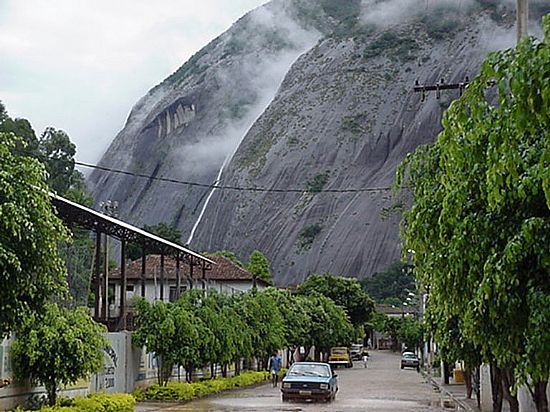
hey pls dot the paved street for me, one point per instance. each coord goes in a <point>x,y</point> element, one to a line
<point>383,386</point>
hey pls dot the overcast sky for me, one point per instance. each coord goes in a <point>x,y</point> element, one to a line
<point>80,65</point>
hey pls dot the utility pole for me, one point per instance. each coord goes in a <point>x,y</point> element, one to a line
<point>522,17</point>
<point>110,209</point>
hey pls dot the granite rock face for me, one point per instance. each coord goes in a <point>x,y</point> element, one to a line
<point>298,94</point>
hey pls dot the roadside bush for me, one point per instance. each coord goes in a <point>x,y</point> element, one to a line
<point>183,391</point>
<point>96,402</point>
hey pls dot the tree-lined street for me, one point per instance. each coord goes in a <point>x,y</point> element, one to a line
<point>383,386</point>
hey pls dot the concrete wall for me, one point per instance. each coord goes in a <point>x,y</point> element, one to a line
<point>526,403</point>
<point>124,368</point>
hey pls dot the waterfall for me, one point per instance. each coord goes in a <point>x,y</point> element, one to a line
<point>205,205</point>
<point>272,74</point>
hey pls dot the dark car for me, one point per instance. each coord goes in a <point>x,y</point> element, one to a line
<point>410,360</point>
<point>309,380</point>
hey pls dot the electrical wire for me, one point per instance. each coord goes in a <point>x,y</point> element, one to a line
<point>229,187</point>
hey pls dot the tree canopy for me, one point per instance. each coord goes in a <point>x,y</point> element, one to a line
<point>345,292</point>
<point>480,221</point>
<point>258,265</point>
<point>31,271</point>
<point>54,150</point>
<point>390,285</point>
<point>161,229</point>
<point>57,347</point>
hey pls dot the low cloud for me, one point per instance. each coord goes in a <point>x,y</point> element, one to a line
<point>263,72</point>
<point>80,66</point>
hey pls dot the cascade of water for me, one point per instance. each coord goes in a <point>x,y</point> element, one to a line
<point>271,75</point>
<point>205,205</point>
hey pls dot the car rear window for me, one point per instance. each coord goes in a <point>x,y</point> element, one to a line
<point>309,370</point>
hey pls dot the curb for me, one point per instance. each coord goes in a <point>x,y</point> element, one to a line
<point>457,401</point>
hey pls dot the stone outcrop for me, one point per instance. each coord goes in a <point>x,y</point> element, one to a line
<point>305,95</point>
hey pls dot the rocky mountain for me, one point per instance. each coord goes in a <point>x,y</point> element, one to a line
<point>308,95</point>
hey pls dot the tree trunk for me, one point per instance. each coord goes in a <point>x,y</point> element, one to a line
<point>52,392</point>
<point>212,370</point>
<point>446,373</point>
<point>165,372</point>
<point>507,382</point>
<point>476,385</point>
<point>496,388</point>
<point>468,381</point>
<point>541,401</point>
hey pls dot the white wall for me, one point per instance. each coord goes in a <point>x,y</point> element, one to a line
<point>526,403</point>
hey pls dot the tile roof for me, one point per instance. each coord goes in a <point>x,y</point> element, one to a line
<point>223,270</point>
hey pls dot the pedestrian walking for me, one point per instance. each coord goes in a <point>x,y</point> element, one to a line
<point>275,364</point>
<point>365,359</point>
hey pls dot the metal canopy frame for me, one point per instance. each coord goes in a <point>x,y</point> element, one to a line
<point>74,214</point>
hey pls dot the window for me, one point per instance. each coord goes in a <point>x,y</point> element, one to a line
<point>129,288</point>
<point>173,297</point>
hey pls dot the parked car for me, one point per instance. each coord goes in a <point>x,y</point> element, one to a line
<point>356,351</point>
<point>340,356</point>
<point>410,360</point>
<point>309,380</point>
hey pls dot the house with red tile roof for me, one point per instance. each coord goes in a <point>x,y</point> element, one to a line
<point>160,280</point>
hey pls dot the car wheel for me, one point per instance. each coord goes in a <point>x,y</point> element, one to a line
<point>402,367</point>
<point>285,398</point>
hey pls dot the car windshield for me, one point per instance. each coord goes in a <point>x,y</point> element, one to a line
<point>309,370</point>
<point>409,355</point>
<point>339,351</point>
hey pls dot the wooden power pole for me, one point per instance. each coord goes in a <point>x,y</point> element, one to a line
<point>522,17</point>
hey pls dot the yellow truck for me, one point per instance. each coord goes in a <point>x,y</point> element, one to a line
<point>340,356</point>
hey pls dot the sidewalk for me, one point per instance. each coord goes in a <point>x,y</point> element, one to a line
<point>455,391</point>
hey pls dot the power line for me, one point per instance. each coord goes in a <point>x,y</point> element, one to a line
<point>229,187</point>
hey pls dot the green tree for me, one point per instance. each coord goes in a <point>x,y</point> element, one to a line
<point>390,285</point>
<point>58,154</point>
<point>28,143</point>
<point>297,321</point>
<point>480,221</point>
<point>229,255</point>
<point>57,347</point>
<point>330,325</point>
<point>55,150</point>
<point>208,346</point>
<point>31,271</point>
<point>170,331</point>
<point>3,113</point>
<point>259,312</point>
<point>410,332</point>
<point>345,292</point>
<point>258,265</point>
<point>163,230</point>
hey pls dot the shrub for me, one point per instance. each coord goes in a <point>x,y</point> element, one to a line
<point>307,235</point>
<point>96,402</point>
<point>318,182</point>
<point>183,391</point>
